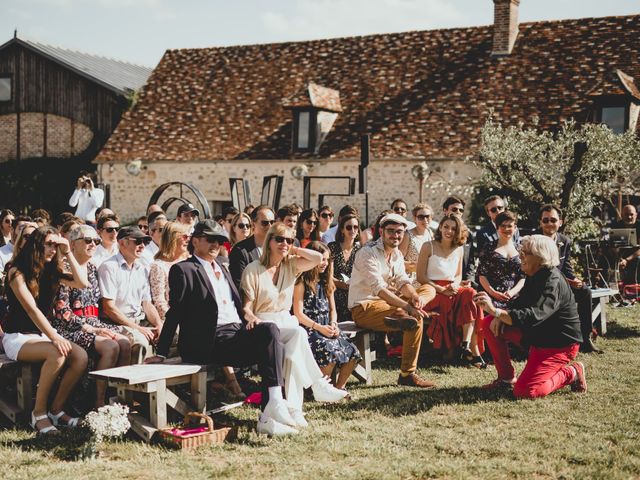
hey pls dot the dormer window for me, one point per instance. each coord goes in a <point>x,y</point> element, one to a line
<point>304,130</point>
<point>5,88</point>
<point>616,102</point>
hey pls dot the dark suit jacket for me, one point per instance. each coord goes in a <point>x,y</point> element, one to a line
<point>564,251</point>
<point>193,306</point>
<point>242,254</point>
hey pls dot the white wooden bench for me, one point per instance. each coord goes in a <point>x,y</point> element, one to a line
<point>600,298</point>
<point>22,404</point>
<point>153,380</point>
<point>362,339</point>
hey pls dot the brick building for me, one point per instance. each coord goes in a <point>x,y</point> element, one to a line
<point>247,111</point>
<point>58,107</point>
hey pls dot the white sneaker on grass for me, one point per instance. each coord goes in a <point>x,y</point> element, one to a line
<point>268,426</point>
<point>323,391</point>
<point>279,411</point>
<point>298,416</point>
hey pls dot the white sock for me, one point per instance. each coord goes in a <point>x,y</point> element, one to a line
<point>275,393</point>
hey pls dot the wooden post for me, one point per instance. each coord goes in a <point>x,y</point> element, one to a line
<point>199,390</point>
<point>158,405</point>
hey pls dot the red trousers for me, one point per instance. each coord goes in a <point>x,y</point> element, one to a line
<point>546,371</point>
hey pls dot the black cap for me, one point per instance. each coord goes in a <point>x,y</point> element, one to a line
<point>131,232</point>
<point>188,207</point>
<point>210,228</point>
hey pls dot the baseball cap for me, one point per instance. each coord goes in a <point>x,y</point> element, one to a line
<point>210,228</point>
<point>131,232</point>
<point>188,207</point>
<point>393,218</point>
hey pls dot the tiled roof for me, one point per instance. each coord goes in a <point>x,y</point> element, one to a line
<point>419,94</point>
<point>316,96</point>
<point>121,77</point>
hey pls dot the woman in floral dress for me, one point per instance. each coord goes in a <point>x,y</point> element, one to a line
<point>75,313</point>
<point>343,253</point>
<point>314,305</point>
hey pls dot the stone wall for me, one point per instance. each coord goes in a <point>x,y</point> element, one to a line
<point>64,137</point>
<point>388,179</point>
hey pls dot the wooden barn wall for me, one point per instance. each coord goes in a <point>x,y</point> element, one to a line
<point>41,85</point>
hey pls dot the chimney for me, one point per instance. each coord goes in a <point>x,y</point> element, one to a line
<point>505,26</point>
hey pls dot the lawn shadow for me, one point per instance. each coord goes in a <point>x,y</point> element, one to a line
<point>619,331</point>
<point>402,401</point>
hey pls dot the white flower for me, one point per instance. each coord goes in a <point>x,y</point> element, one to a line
<point>109,421</point>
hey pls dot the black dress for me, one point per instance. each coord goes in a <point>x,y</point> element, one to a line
<point>326,350</point>
<point>502,272</point>
<point>340,267</point>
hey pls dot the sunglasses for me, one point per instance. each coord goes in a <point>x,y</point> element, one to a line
<point>243,226</point>
<point>326,215</point>
<point>143,227</point>
<point>111,229</point>
<point>423,217</point>
<point>267,223</point>
<point>140,241</point>
<point>311,222</point>
<point>399,210</point>
<point>457,209</point>
<point>550,220</point>
<point>496,209</point>
<point>89,241</point>
<point>8,221</point>
<point>281,239</point>
<point>351,228</point>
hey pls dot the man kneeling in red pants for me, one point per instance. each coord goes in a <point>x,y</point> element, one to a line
<point>545,318</point>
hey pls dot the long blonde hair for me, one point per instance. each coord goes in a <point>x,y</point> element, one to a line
<point>171,234</point>
<point>275,230</point>
<point>232,234</point>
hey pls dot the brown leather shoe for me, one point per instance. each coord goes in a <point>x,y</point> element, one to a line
<point>413,380</point>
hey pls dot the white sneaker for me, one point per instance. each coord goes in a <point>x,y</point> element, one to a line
<point>279,411</point>
<point>268,426</point>
<point>298,416</point>
<point>323,391</point>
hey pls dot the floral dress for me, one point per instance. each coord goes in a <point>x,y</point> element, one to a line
<point>342,267</point>
<point>501,272</point>
<point>326,350</point>
<point>75,307</point>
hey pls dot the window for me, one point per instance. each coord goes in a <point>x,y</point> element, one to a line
<point>5,89</point>
<point>615,118</point>
<point>304,131</point>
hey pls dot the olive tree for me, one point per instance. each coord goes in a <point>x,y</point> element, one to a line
<point>577,167</point>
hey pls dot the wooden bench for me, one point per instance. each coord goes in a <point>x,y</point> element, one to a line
<point>600,298</point>
<point>362,339</point>
<point>22,404</point>
<point>153,381</point>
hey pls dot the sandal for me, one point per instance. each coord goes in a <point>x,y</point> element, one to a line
<point>478,362</point>
<point>56,420</point>
<point>42,431</point>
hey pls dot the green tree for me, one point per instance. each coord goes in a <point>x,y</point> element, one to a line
<point>577,167</point>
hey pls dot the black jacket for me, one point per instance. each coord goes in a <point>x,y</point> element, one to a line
<point>546,311</point>
<point>192,305</point>
<point>242,254</point>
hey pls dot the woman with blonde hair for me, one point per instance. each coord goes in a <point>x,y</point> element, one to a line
<point>173,248</point>
<point>268,285</point>
<point>240,228</point>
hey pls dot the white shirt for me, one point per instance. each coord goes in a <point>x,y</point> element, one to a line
<point>330,235</point>
<point>148,253</point>
<point>128,287</point>
<point>6,252</point>
<point>88,202</point>
<point>371,273</point>
<point>101,254</point>
<point>227,312</point>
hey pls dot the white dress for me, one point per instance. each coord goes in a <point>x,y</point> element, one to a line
<point>272,303</point>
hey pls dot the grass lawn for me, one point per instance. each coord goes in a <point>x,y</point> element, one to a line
<point>454,431</point>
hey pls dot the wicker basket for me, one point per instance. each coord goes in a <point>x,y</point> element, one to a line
<point>187,437</point>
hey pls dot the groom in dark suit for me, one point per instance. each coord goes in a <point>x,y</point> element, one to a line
<point>205,303</point>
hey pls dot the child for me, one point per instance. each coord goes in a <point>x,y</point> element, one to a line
<point>314,306</point>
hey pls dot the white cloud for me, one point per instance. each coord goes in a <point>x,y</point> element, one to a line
<point>331,18</point>
<point>158,9</point>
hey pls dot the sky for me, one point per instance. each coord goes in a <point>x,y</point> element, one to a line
<point>139,31</point>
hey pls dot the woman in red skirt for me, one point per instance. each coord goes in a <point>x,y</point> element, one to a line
<point>440,265</point>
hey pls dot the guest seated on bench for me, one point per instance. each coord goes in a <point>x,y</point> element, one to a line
<point>33,281</point>
<point>315,307</point>
<point>382,298</point>
<point>545,317</point>
<point>126,294</point>
<point>205,303</point>
<point>75,313</point>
